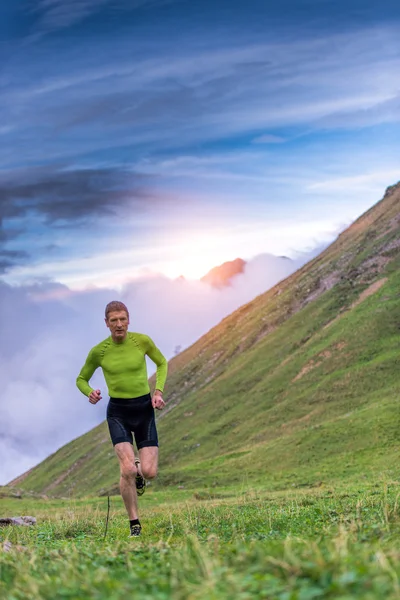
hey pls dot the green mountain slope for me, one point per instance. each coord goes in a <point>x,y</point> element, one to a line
<point>298,387</point>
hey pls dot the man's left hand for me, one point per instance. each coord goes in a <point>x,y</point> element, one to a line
<point>157,400</point>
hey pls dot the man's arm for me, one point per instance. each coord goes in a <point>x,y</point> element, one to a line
<point>162,365</point>
<point>161,374</point>
<point>82,381</point>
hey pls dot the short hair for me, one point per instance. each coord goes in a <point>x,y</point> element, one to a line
<point>115,305</point>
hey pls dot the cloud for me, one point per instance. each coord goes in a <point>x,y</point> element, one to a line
<point>59,14</point>
<point>9,258</point>
<point>67,195</point>
<point>56,14</point>
<point>48,198</point>
<point>367,181</point>
<point>47,331</point>
<point>386,111</point>
<point>268,138</point>
<point>101,98</point>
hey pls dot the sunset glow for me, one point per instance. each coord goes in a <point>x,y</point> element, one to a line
<point>192,267</point>
<point>193,256</point>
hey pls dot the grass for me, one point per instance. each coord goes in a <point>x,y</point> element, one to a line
<point>330,542</point>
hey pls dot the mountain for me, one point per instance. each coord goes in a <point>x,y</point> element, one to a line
<point>221,276</point>
<point>298,387</point>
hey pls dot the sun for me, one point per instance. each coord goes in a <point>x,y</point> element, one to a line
<point>191,267</point>
<point>194,258</point>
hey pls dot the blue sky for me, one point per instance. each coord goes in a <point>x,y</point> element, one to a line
<point>168,136</point>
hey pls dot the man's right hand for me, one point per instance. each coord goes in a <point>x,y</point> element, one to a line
<point>94,396</point>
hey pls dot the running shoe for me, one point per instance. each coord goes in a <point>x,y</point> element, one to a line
<point>140,481</point>
<point>136,530</point>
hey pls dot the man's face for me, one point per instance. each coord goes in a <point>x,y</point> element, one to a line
<point>117,322</point>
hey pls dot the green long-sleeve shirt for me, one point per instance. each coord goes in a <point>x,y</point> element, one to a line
<point>124,366</point>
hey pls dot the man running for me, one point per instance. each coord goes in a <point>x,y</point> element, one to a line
<point>131,408</point>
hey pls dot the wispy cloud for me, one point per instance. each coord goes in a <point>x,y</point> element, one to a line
<point>164,99</point>
<point>366,181</point>
<point>56,14</point>
<point>268,138</point>
<point>380,112</point>
<point>59,14</point>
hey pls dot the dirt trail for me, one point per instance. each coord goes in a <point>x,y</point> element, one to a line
<point>374,287</point>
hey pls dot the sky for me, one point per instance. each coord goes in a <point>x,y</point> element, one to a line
<point>141,140</point>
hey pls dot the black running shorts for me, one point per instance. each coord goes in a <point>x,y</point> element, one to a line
<point>133,415</point>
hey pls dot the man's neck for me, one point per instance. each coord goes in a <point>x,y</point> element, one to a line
<point>118,340</point>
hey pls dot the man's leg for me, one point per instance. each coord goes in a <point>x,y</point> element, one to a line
<point>126,457</point>
<point>149,461</point>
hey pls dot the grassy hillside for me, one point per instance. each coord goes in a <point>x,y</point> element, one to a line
<point>298,387</point>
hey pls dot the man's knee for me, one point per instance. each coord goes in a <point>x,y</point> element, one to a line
<point>149,472</point>
<point>128,471</point>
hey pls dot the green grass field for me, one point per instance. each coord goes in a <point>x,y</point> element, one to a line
<point>327,542</point>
